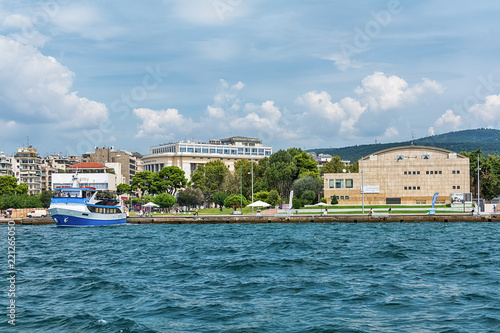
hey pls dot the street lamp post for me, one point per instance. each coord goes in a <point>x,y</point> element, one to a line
<point>241,188</point>
<point>252,183</point>
<point>362,188</point>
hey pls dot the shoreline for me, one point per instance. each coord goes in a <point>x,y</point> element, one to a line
<point>332,218</point>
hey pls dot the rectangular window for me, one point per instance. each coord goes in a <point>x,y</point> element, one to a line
<point>240,151</point>
<point>227,151</point>
<point>458,172</point>
<point>190,150</point>
<point>347,197</point>
<point>418,188</point>
<point>400,157</point>
<point>268,153</point>
<point>204,150</point>
<point>432,172</point>
<point>458,187</point>
<point>332,183</point>
<point>406,173</point>
<point>212,150</point>
<point>414,172</point>
<point>406,188</point>
<point>427,172</point>
<point>453,172</point>
<point>418,172</point>
<point>341,197</point>
<point>348,183</point>
<point>197,150</point>
<point>331,197</point>
<point>339,183</point>
<point>440,172</point>
<point>426,156</point>
<point>454,187</point>
<point>219,151</point>
<point>233,151</point>
<point>414,188</point>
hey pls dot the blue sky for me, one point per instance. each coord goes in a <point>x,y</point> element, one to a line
<point>308,74</point>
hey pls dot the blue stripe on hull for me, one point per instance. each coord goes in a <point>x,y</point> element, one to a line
<point>73,221</point>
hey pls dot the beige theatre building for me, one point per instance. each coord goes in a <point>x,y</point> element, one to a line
<point>402,175</point>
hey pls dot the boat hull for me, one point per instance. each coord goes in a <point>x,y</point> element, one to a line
<point>75,218</point>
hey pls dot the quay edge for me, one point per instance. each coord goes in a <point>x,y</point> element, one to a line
<point>333,218</point>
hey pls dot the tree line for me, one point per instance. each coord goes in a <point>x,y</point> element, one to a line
<point>273,179</point>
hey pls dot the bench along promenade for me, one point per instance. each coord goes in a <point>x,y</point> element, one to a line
<point>282,218</point>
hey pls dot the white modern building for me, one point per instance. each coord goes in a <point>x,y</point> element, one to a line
<point>90,174</point>
<point>188,155</point>
<point>6,167</point>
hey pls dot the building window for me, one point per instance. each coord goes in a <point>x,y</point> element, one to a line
<point>205,150</point>
<point>414,172</point>
<point>212,150</point>
<point>240,151</point>
<point>432,172</point>
<point>400,157</point>
<point>458,187</point>
<point>341,197</point>
<point>347,197</point>
<point>418,172</point>
<point>453,172</point>
<point>418,188</point>
<point>426,156</point>
<point>440,172</point>
<point>348,183</point>
<point>406,173</point>
<point>190,150</point>
<point>197,150</point>
<point>427,172</point>
<point>406,188</point>
<point>219,151</point>
<point>331,197</point>
<point>414,188</point>
<point>182,149</point>
<point>332,183</point>
<point>339,183</point>
<point>454,187</point>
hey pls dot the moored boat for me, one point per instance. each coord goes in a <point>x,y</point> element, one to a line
<point>78,206</point>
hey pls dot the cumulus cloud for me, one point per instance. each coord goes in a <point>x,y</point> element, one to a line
<point>449,120</point>
<point>37,89</point>
<point>383,92</point>
<point>161,123</point>
<point>487,112</point>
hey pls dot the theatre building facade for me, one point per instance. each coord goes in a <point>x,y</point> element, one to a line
<point>402,175</point>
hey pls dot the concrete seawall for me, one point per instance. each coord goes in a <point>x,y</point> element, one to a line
<point>334,218</point>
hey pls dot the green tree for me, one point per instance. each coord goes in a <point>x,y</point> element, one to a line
<point>148,181</point>
<point>190,197</point>
<point>174,178</point>
<point>45,197</point>
<point>335,165</point>
<point>235,200</point>
<point>308,197</point>
<point>165,200</point>
<point>334,200</point>
<point>262,196</point>
<point>243,172</point>
<point>281,172</point>
<point>273,198</point>
<point>306,165</point>
<point>8,185</point>
<point>123,188</point>
<point>22,189</point>
<point>312,183</point>
<point>219,198</point>
<point>209,178</point>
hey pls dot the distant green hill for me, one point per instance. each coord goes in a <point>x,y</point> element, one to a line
<point>488,140</point>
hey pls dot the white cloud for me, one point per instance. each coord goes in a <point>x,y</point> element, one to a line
<point>37,89</point>
<point>162,123</point>
<point>320,104</point>
<point>391,132</point>
<point>449,120</point>
<point>381,92</point>
<point>343,61</point>
<point>488,112</point>
<point>85,20</point>
<point>209,12</point>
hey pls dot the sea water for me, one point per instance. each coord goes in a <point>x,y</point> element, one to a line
<point>383,277</point>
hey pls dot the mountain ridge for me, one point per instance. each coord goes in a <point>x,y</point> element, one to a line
<point>488,140</point>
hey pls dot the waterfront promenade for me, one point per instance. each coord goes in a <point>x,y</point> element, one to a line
<point>302,218</point>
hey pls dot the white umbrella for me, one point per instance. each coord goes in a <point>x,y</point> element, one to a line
<point>150,204</point>
<point>321,204</point>
<point>259,204</point>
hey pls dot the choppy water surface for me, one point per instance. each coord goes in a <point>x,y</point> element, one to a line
<point>422,277</point>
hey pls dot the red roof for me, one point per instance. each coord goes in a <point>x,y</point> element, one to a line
<point>87,165</point>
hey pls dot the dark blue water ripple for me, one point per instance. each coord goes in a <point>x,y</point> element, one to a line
<point>422,277</point>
